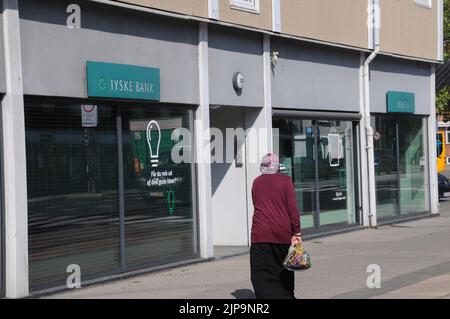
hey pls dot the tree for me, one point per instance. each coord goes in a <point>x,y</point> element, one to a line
<point>442,103</point>
<point>446,29</point>
<point>443,96</point>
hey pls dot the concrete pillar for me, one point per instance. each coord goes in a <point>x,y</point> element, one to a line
<point>259,138</point>
<point>432,159</point>
<point>15,179</point>
<point>203,150</point>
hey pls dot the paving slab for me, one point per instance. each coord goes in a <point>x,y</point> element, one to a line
<point>412,256</point>
<point>434,288</point>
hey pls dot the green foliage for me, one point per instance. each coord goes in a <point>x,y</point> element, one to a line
<point>443,103</point>
<point>447,29</point>
<point>443,96</point>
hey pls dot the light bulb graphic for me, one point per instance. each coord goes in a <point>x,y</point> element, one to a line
<point>171,201</point>
<point>153,145</point>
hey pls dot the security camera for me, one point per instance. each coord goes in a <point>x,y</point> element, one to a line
<point>274,57</point>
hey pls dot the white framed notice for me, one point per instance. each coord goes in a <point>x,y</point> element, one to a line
<point>89,117</point>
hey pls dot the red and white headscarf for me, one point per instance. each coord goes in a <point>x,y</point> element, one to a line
<point>270,164</point>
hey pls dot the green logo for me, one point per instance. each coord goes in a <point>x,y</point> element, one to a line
<point>401,102</point>
<point>171,201</point>
<point>122,81</point>
<point>102,83</point>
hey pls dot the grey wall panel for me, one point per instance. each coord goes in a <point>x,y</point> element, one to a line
<point>2,55</point>
<point>314,77</point>
<point>390,74</point>
<point>54,56</point>
<point>235,51</point>
<point>230,220</point>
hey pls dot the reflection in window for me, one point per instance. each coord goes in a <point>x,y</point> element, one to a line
<point>159,215</point>
<point>73,189</point>
<point>72,192</point>
<point>400,165</point>
<point>335,173</point>
<point>318,155</point>
<point>296,149</point>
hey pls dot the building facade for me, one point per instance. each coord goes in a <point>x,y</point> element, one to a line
<point>100,98</point>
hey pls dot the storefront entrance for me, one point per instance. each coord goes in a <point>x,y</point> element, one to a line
<point>229,180</point>
<point>320,156</point>
<point>400,166</point>
<point>104,193</point>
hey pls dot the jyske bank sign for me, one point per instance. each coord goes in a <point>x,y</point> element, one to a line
<point>121,81</point>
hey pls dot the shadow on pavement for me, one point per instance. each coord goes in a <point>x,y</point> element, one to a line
<point>243,294</point>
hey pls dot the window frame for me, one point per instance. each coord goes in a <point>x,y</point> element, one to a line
<point>424,3</point>
<point>245,5</point>
<point>124,268</point>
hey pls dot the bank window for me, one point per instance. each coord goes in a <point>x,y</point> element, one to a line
<point>247,5</point>
<point>424,3</point>
<point>79,213</point>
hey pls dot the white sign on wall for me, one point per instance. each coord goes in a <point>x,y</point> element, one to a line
<point>89,116</point>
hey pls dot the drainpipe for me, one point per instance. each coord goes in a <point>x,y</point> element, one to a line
<point>367,117</point>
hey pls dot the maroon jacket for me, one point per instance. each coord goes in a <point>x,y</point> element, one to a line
<point>276,218</point>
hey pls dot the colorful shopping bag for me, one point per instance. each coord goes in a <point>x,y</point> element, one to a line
<point>297,258</point>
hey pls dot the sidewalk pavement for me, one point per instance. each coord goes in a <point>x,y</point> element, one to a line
<point>414,258</point>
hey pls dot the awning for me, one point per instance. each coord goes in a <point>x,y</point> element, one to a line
<point>318,115</point>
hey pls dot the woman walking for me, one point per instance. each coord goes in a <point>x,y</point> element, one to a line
<point>276,225</point>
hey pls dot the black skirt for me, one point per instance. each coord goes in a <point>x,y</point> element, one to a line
<point>270,279</point>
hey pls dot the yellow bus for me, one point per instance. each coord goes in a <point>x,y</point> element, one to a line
<point>441,151</point>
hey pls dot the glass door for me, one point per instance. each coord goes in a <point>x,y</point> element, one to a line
<point>160,219</point>
<point>335,173</point>
<point>319,157</point>
<point>400,165</point>
<point>296,142</point>
<point>386,166</point>
<point>412,172</point>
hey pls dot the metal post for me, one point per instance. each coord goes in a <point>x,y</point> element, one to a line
<point>192,145</point>
<point>363,170</point>
<point>316,168</point>
<point>367,117</point>
<point>121,186</point>
<point>399,186</point>
<point>2,220</point>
